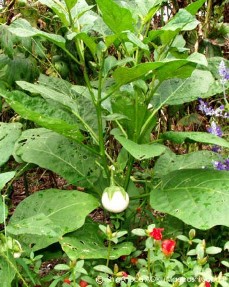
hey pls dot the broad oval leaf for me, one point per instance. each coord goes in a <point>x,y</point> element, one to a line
<point>117,18</point>
<point>179,91</point>
<point>169,161</point>
<point>197,197</point>
<point>65,209</point>
<point>52,151</point>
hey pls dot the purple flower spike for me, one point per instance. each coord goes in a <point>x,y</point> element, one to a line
<point>223,72</point>
<point>222,165</point>
<point>215,130</point>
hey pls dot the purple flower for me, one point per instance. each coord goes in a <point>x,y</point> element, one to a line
<point>209,111</point>
<point>215,130</point>
<point>223,72</point>
<point>222,165</point>
<point>216,148</point>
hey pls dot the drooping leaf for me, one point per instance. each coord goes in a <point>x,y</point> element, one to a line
<point>169,161</point>
<point>139,151</point>
<point>65,209</point>
<point>197,197</point>
<point>117,18</point>
<point>9,133</point>
<point>207,138</point>
<point>179,91</point>
<point>79,246</point>
<point>5,177</point>
<point>50,115</point>
<point>22,28</point>
<point>59,154</point>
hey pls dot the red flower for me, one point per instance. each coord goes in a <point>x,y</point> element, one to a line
<point>124,274</point>
<point>207,284</point>
<point>133,261</point>
<point>156,233</point>
<point>68,281</point>
<point>168,246</point>
<point>83,283</point>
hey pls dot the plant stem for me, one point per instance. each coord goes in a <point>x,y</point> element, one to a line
<point>15,269</point>
<point>100,122</point>
<point>108,252</point>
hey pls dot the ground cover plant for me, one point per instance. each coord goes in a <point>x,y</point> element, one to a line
<point>127,102</point>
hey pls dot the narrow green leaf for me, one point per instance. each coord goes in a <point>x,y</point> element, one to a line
<point>198,197</point>
<point>207,138</point>
<point>139,151</point>
<point>117,18</point>
<point>104,269</point>
<point>213,250</point>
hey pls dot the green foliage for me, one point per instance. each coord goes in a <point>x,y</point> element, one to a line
<point>109,123</point>
<point>50,150</point>
<point>197,197</point>
<point>47,211</point>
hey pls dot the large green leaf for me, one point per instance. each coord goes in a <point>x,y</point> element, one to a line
<point>169,161</point>
<point>163,70</point>
<point>80,105</point>
<point>67,158</point>
<point>207,138</point>
<point>197,197</point>
<point>61,211</point>
<point>179,91</point>
<point>50,115</point>
<point>138,151</point>
<point>183,21</point>
<point>91,246</point>
<point>9,133</point>
<point>117,18</point>
<point>22,28</point>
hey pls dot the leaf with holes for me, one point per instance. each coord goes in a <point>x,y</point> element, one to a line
<point>169,161</point>
<point>52,151</point>
<point>198,197</point>
<point>91,246</point>
<point>50,115</point>
<point>60,211</point>
<point>9,133</point>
